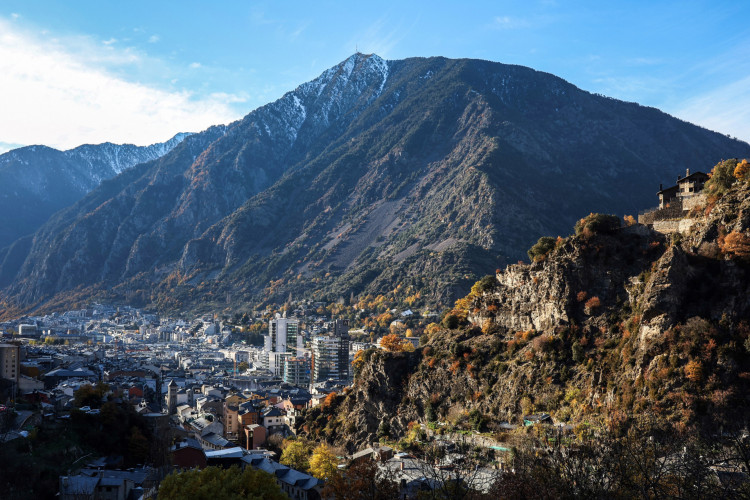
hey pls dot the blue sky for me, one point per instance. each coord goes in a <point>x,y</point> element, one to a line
<point>91,71</point>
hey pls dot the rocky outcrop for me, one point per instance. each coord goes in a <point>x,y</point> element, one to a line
<point>607,326</point>
<point>371,406</point>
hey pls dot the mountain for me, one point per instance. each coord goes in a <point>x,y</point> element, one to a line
<point>610,326</point>
<point>37,181</point>
<point>377,176</point>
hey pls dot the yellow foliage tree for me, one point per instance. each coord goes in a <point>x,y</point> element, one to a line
<point>432,328</point>
<point>323,463</point>
<point>295,455</point>
<point>394,343</point>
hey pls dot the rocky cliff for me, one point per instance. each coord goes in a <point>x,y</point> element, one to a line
<point>609,325</point>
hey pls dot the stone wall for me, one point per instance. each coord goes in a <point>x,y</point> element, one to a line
<point>673,226</point>
<point>673,211</point>
<point>690,202</point>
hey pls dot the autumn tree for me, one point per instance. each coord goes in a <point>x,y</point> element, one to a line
<point>737,245</point>
<point>323,463</point>
<point>741,170</point>
<point>394,343</point>
<point>296,455</point>
<point>541,248</point>
<point>597,223</point>
<point>215,483</point>
<point>722,177</point>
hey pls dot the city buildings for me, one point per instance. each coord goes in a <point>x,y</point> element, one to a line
<point>330,352</point>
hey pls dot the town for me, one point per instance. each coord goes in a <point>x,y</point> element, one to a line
<point>214,391</point>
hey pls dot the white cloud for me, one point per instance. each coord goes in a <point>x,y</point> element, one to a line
<point>153,39</point>
<point>57,92</point>
<point>110,41</point>
<point>724,109</point>
<point>14,15</point>
<point>195,65</point>
<point>509,23</point>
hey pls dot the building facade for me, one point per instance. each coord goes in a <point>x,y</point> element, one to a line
<point>10,362</point>
<point>297,371</point>
<point>283,340</point>
<point>330,353</point>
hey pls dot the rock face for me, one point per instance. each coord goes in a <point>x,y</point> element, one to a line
<point>421,172</point>
<point>608,325</point>
<point>37,181</point>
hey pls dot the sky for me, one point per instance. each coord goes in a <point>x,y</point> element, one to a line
<point>76,72</point>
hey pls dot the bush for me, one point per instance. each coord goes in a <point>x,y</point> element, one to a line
<point>722,177</point>
<point>742,170</point>
<point>593,303</point>
<point>450,321</point>
<point>737,245</point>
<point>577,351</point>
<point>597,223</point>
<point>541,248</point>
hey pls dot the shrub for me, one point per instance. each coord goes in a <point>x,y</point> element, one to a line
<point>694,371</point>
<point>722,177</point>
<point>542,343</point>
<point>597,223</point>
<point>486,284</point>
<point>737,245</point>
<point>450,321</point>
<point>577,350</point>
<point>541,248</point>
<point>593,303</point>
<point>741,170</point>
<point>581,296</point>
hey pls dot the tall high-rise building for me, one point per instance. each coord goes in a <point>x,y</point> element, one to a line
<point>330,352</point>
<point>283,340</point>
<point>10,361</point>
<point>172,389</point>
<point>297,371</point>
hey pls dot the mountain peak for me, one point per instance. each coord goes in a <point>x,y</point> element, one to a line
<point>424,172</point>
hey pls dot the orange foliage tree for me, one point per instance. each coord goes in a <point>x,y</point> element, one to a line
<point>329,400</point>
<point>741,170</point>
<point>737,244</point>
<point>394,343</point>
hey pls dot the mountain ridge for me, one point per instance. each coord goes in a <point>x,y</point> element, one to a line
<point>420,171</point>
<point>37,180</point>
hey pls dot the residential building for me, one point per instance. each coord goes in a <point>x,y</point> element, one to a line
<point>283,340</point>
<point>297,371</point>
<point>10,362</point>
<point>330,353</point>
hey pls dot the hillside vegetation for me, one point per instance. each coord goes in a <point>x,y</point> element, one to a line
<point>607,327</point>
